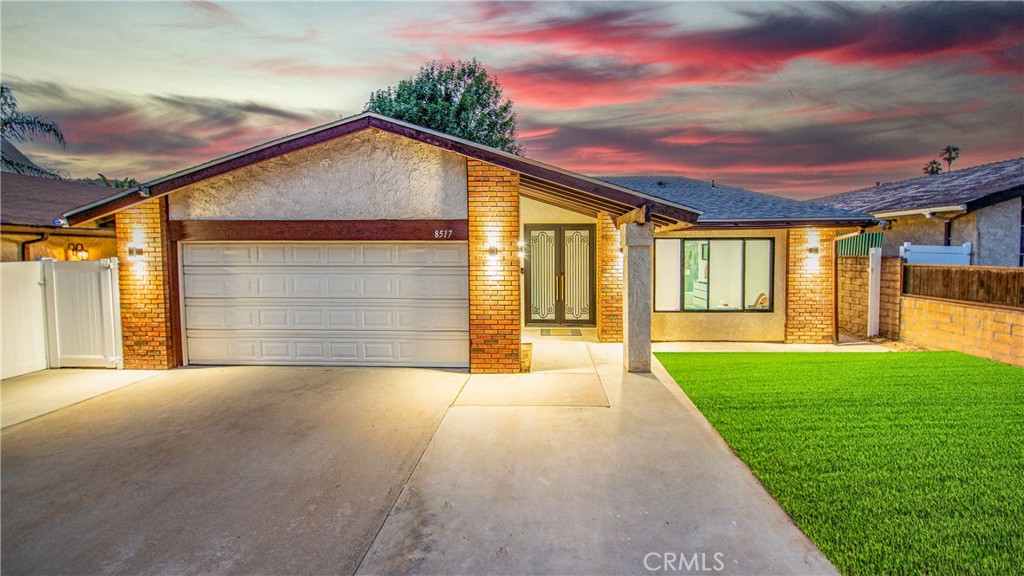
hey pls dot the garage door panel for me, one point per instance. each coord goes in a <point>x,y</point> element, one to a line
<point>366,304</point>
<point>369,254</point>
<point>442,349</point>
<point>406,283</point>
<point>447,316</point>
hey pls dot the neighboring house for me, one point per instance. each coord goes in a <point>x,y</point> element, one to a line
<point>371,241</point>
<point>980,205</point>
<point>29,205</point>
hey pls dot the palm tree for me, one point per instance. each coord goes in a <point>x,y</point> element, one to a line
<point>948,154</point>
<point>19,127</point>
<point>932,168</point>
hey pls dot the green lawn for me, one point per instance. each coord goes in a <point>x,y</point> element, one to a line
<point>892,463</point>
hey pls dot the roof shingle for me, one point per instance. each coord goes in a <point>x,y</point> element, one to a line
<point>959,187</point>
<point>725,204</point>
<point>34,201</point>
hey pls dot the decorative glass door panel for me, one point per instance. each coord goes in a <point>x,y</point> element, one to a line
<point>560,274</point>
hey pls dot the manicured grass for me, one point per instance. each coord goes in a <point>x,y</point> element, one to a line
<point>894,463</point>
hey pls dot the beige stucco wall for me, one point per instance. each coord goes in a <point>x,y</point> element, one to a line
<point>998,230</point>
<point>370,175</point>
<point>534,212</point>
<point>729,326</point>
<point>993,231</point>
<point>913,229</point>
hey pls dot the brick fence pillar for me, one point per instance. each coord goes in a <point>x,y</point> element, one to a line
<point>609,280</point>
<point>146,334</point>
<point>494,315</point>
<point>809,287</point>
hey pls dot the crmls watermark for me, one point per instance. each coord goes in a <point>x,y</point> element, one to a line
<point>681,562</point>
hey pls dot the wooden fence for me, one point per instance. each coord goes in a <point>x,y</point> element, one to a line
<point>982,284</point>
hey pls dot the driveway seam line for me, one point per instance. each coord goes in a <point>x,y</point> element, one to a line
<point>405,483</point>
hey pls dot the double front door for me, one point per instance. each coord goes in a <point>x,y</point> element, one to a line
<point>560,274</point>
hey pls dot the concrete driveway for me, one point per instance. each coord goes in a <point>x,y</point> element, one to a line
<point>576,469</point>
<point>218,471</point>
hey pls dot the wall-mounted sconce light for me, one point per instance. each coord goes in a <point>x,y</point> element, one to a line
<point>135,252</point>
<point>76,252</point>
<point>492,251</point>
<point>812,250</point>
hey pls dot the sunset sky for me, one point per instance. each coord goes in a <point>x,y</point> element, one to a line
<point>798,99</point>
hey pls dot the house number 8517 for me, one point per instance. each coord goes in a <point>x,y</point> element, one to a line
<point>442,234</point>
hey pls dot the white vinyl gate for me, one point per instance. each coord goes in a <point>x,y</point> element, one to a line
<point>60,315</point>
<point>342,303</point>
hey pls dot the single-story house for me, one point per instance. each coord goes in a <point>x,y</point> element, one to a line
<point>981,205</point>
<point>371,241</point>
<point>29,206</point>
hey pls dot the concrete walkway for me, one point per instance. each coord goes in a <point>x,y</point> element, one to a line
<point>32,395</point>
<point>634,487</point>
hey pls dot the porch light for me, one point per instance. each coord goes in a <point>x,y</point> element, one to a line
<point>76,252</point>
<point>812,264</point>
<point>135,252</point>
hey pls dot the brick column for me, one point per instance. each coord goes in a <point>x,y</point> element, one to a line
<point>146,332</point>
<point>637,244</point>
<point>494,315</point>
<point>609,280</point>
<point>809,304</point>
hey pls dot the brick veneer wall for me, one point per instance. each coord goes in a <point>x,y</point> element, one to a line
<point>994,333</point>
<point>146,333</point>
<point>809,305</point>
<point>609,280</point>
<point>853,296</point>
<point>494,314</point>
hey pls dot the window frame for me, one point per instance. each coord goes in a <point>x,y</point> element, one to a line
<point>743,276</point>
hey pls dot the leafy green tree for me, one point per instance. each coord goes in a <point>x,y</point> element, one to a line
<point>17,126</point>
<point>459,98</point>
<point>948,154</point>
<point>932,168</point>
<point>119,183</point>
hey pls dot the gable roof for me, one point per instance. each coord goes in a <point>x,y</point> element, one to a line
<point>967,189</point>
<point>11,153</point>
<point>538,180</point>
<point>35,201</point>
<point>723,206</point>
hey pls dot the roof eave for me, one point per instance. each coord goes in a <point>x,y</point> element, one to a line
<point>723,223</point>
<point>955,208</point>
<point>164,185</point>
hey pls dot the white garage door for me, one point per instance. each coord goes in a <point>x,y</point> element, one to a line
<point>351,304</point>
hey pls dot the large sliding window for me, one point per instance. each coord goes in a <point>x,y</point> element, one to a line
<point>713,275</point>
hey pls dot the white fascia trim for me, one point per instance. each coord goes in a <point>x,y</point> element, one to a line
<point>960,208</point>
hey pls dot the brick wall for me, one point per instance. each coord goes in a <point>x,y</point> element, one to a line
<point>809,305</point>
<point>853,296</point>
<point>609,280</point>
<point>989,332</point>
<point>145,304</point>
<point>494,315</point>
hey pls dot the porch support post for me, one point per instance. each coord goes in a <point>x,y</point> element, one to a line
<point>637,240</point>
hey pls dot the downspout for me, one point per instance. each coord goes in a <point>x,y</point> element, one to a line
<point>24,245</point>
<point>835,281</point>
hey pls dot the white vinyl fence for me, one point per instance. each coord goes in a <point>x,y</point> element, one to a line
<point>60,314</point>
<point>923,254</point>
